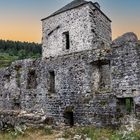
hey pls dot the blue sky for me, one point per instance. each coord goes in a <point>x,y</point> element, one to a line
<point>20,19</point>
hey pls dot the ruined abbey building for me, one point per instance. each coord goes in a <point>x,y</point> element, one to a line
<point>83,77</point>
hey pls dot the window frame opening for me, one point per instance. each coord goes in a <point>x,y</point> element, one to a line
<point>67,40</point>
<point>16,104</point>
<point>101,81</point>
<point>52,82</point>
<point>31,79</point>
<point>18,75</point>
<point>7,77</point>
<point>125,105</point>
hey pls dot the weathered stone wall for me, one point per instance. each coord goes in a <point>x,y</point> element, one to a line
<point>14,86</point>
<point>87,28</point>
<point>84,83</point>
<point>101,28</point>
<point>73,87</point>
<point>126,69</point>
<point>93,83</point>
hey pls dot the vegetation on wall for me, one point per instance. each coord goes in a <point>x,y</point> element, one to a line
<point>16,50</point>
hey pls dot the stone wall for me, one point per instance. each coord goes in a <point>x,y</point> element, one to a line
<point>89,82</point>
<point>88,29</point>
<point>126,69</point>
<point>14,87</point>
<point>92,85</point>
<point>100,27</point>
<point>25,86</point>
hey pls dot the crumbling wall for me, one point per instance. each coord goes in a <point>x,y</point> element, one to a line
<point>125,72</point>
<point>17,89</point>
<point>125,67</point>
<point>73,87</point>
<point>82,85</point>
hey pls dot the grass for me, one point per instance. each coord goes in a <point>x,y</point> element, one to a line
<point>21,133</point>
<point>46,133</point>
<point>6,59</point>
<point>100,134</point>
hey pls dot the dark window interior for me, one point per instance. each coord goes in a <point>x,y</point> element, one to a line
<point>7,77</point>
<point>48,121</point>
<point>126,104</point>
<point>31,81</point>
<point>18,75</point>
<point>17,106</point>
<point>52,82</point>
<point>67,38</point>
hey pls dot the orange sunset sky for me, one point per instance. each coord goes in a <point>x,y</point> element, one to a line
<point>20,19</point>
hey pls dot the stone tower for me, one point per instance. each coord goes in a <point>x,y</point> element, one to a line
<point>78,26</point>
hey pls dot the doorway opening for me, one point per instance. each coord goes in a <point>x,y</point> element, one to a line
<point>69,119</point>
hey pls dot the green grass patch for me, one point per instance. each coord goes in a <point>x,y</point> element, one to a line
<point>6,59</point>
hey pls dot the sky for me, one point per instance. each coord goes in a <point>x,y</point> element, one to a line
<point>21,19</point>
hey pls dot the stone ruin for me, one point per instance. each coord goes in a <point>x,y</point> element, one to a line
<point>83,78</point>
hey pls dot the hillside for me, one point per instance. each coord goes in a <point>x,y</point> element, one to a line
<point>16,50</point>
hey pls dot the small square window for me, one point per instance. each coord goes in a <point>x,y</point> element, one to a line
<point>125,104</point>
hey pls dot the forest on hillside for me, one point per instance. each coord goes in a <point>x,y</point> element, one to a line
<point>16,50</point>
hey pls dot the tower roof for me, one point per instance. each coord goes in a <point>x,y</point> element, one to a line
<point>71,5</point>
